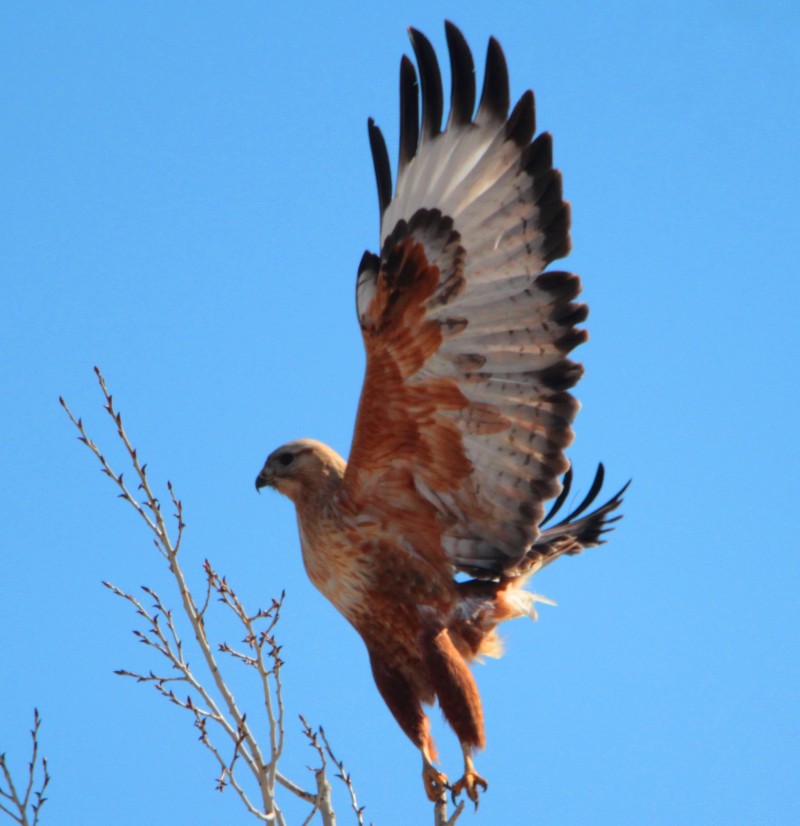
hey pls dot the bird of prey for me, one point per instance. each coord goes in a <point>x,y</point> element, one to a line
<point>465,410</point>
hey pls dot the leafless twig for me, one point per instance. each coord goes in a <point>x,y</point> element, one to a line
<point>345,778</point>
<point>24,808</point>
<point>322,801</point>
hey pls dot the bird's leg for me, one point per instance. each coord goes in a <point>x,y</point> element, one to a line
<point>459,700</point>
<point>471,781</point>
<point>435,782</point>
<point>398,693</point>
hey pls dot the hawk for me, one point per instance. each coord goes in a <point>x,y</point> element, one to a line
<point>427,536</point>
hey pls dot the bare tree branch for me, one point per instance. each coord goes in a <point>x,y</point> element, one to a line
<point>214,708</point>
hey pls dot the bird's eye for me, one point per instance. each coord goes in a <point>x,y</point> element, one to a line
<point>285,459</point>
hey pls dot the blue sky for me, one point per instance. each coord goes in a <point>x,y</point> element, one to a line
<point>187,193</point>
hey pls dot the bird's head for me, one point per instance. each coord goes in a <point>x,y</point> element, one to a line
<point>301,468</point>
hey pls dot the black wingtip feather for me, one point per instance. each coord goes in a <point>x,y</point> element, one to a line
<point>495,97</point>
<point>557,241</point>
<point>590,496</point>
<point>538,157</point>
<point>564,374</point>
<point>522,123</point>
<point>462,71</point>
<point>572,339</point>
<point>547,187</point>
<point>409,114</point>
<point>598,523</point>
<point>369,261</point>
<point>550,199</point>
<point>561,285</point>
<point>380,159</point>
<point>566,485</point>
<point>431,81</point>
<point>568,315</point>
<point>586,531</point>
<point>588,500</point>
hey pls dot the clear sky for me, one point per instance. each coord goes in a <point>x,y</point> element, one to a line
<point>187,192</point>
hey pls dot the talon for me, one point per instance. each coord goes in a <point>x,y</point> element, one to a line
<point>435,783</point>
<point>470,783</point>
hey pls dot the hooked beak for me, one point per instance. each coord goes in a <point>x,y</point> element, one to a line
<point>264,479</point>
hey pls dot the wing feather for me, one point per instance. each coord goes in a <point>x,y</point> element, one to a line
<point>495,97</point>
<point>432,97</point>
<point>462,92</point>
<point>409,114</point>
<point>380,159</point>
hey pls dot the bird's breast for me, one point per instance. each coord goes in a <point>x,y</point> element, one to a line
<point>332,545</point>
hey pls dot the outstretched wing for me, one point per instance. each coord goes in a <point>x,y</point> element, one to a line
<point>465,406</point>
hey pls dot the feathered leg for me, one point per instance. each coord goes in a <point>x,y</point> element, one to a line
<point>399,696</point>
<point>460,703</point>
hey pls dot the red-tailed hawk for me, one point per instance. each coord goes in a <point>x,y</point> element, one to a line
<point>465,410</point>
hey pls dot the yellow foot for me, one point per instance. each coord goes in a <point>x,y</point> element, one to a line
<point>435,783</point>
<point>470,783</point>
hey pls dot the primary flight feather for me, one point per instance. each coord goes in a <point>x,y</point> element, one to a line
<point>465,411</point>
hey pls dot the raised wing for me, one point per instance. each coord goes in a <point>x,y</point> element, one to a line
<point>465,403</point>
